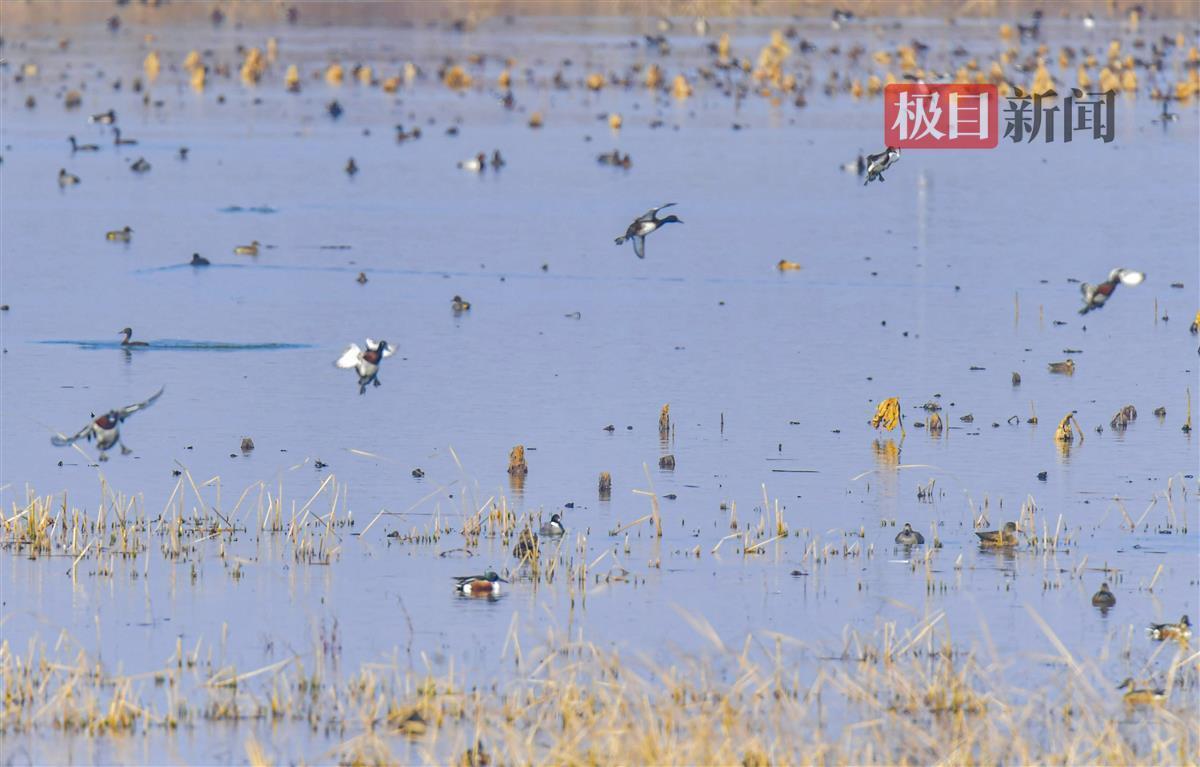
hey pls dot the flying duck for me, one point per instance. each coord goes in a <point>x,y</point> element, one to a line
<point>119,235</point>
<point>127,332</point>
<point>878,163</point>
<point>553,528</point>
<point>365,361</point>
<point>75,147</point>
<point>1095,296</point>
<point>643,225</point>
<point>909,537</point>
<point>106,429</point>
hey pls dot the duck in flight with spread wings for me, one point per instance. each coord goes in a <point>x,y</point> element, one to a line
<point>106,429</point>
<point>644,225</point>
<point>365,362</point>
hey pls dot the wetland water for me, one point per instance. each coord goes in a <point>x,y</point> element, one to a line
<point>934,286</point>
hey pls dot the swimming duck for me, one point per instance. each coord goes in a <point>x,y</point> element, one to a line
<point>909,537</point>
<point>1004,537</point>
<point>199,260</point>
<point>459,305</point>
<point>361,279</point>
<point>104,118</point>
<point>119,235</point>
<point>1089,21</point>
<point>67,179</point>
<point>527,545</point>
<point>1095,296</point>
<point>365,362</point>
<point>334,109</point>
<point>106,429</point>
<point>553,528</point>
<point>1140,696</point>
<point>75,147</point>
<point>488,583</point>
<point>475,164</point>
<point>1103,597</point>
<point>247,250</point>
<point>1161,631</point>
<point>1066,367</point>
<point>140,165</point>
<point>878,163</point>
<point>119,141</point>
<point>497,161</point>
<point>183,153</point>
<point>644,225</point>
<point>351,167</point>
<point>128,332</point>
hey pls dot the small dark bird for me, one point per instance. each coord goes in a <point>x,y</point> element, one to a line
<point>643,226</point>
<point>82,147</point>
<point>497,160</point>
<point>351,167</point>
<point>128,332</point>
<point>878,163</point>
<point>140,165</point>
<point>119,141</point>
<point>106,429</point>
<point>1103,597</point>
<point>365,362</point>
<point>199,260</point>
<point>334,109</point>
<point>183,153</point>
<point>909,537</point>
<point>362,278</point>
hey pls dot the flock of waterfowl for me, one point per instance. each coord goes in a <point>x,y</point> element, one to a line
<point>741,78</point>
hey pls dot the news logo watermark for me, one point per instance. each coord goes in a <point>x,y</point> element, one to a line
<point>968,116</point>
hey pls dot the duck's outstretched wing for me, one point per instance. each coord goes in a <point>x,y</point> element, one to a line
<point>58,440</point>
<point>125,412</point>
<point>349,357</point>
<point>650,214</point>
<point>639,245</point>
<point>373,345</point>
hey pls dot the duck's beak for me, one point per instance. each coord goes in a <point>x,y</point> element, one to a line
<point>502,580</point>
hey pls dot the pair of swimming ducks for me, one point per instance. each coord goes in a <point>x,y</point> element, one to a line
<point>488,583</point>
<point>1007,536</point>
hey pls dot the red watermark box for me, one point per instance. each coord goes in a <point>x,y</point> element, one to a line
<point>941,116</point>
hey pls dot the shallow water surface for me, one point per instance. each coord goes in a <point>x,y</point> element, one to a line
<point>934,286</point>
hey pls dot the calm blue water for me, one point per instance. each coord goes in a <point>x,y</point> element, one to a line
<point>906,287</point>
